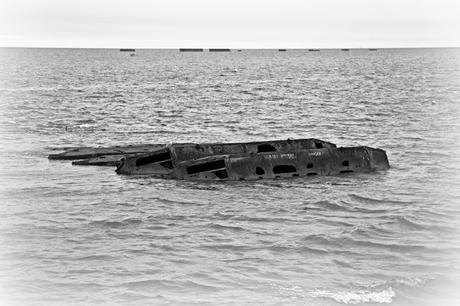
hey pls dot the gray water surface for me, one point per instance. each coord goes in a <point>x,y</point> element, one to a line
<point>86,236</point>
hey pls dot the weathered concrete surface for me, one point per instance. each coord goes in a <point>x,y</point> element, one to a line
<point>164,160</point>
<point>89,152</point>
<point>273,165</point>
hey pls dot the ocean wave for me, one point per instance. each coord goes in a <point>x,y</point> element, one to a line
<point>222,216</point>
<point>364,199</point>
<point>345,207</point>
<point>306,249</point>
<point>369,230</point>
<point>150,283</point>
<point>331,206</point>
<point>116,224</point>
<point>101,257</point>
<point>405,222</point>
<point>356,297</point>
<point>318,239</point>
<point>380,245</point>
<point>371,211</point>
<point>412,282</point>
<point>169,285</point>
<point>262,219</point>
<point>225,227</point>
<point>230,247</point>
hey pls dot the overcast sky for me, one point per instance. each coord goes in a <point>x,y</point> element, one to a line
<point>230,23</point>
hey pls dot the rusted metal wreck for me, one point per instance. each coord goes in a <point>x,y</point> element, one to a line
<point>232,161</point>
<point>325,161</point>
<point>165,160</point>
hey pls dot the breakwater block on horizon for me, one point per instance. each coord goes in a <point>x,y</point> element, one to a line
<point>219,50</point>
<point>282,50</point>
<point>345,49</point>
<point>191,50</point>
<point>313,50</point>
<point>127,50</point>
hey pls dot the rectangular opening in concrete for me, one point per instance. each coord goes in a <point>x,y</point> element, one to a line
<point>266,147</point>
<point>210,166</point>
<point>154,158</point>
<point>284,169</point>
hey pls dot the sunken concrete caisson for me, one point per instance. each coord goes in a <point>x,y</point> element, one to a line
<point>165,160</point>
<point>273,165</point>
<point>231,161</point>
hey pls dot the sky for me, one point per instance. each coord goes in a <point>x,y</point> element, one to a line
<point>230,23</point>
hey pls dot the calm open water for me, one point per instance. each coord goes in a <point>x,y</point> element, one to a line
<point>85,236</point>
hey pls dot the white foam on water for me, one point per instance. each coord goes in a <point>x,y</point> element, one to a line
<point>412,282</point>
<point>356,297</point>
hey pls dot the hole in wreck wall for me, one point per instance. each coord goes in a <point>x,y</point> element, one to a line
<point>345,163</point>
<point>346,171</point>
<point>312,173</point>
<point>221,174</point>
<point>310,165</point>
<point>167,164</point>
<point>284,169</point>
<point>265,148</point>
<point>260,171</point>
<point>318,145</point>
<point>155,158</point>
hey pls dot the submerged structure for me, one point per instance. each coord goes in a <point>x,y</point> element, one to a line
<point>164,161</point>
<point>232,161</point>
<point>326,161</point>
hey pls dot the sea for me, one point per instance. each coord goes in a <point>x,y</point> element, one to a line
<point>80,235</point>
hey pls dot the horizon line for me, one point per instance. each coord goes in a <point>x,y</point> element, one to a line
<point>236,48</point>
